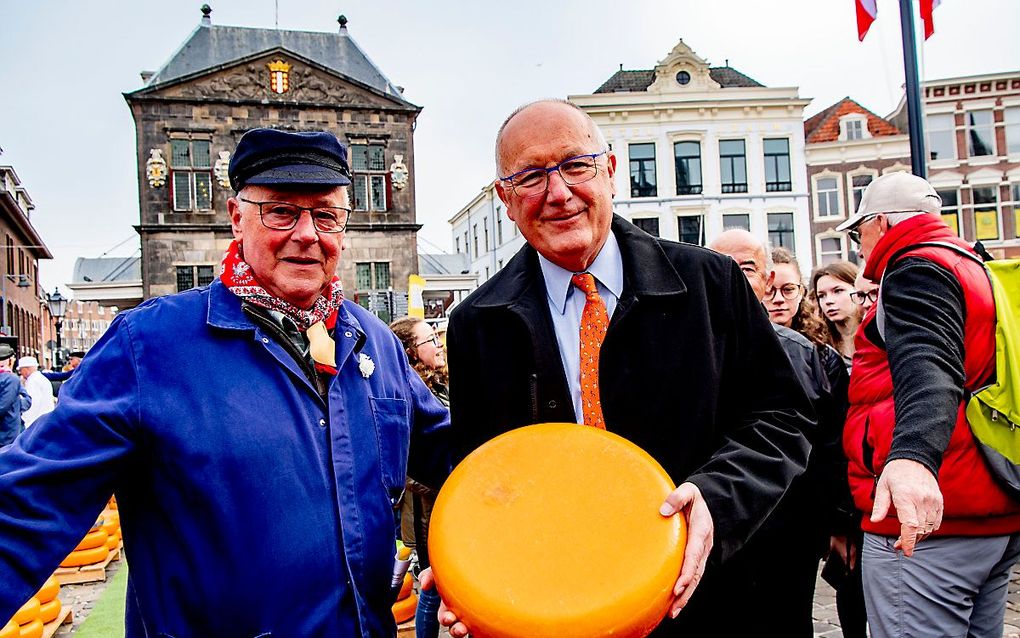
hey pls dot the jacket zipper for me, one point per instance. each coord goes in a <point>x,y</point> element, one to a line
<point>533,389</point>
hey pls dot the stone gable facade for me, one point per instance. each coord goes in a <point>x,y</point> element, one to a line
<point>188,126</point>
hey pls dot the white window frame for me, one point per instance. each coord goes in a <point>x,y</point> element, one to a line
<point>860,171</point>
<point>958,207</point>
<point>1012,130</point>
<point>831,234</point>
<point>991,158</point>
<point>861,120</point>
<point>998,210</point>
<point>952,136</point>
<point>189,173</point>
<point>703,232</point>
<point>840,198</point>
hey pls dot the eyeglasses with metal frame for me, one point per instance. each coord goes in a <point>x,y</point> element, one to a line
<point>788,291</point>
<point>434,340</point>
<point>859,296</point>
<point>285,216</point>
<point>533,182</point>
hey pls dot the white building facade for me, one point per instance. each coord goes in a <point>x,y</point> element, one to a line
<point>703,149</point>
<point>483,232</point>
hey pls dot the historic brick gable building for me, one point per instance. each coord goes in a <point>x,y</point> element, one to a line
<point>224,81</point>
<point>846,147</point>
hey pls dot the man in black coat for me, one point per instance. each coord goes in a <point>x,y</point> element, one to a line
<point>689,368</point>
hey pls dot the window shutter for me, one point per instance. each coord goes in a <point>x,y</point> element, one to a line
<point>389,191</point>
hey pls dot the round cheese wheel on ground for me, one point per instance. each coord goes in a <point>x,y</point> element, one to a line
<point>10,630</point>
<point>85,557</point>
<point>28,612</point>
<point>554,530</point>
<point>33,629</point>
<point>403,610</point>
<point>49,590</point>
<point>48,612</point>
<point>93,539</point>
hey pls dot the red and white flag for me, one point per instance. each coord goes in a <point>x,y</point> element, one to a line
<point>927,7</point>
<point>867,10</point>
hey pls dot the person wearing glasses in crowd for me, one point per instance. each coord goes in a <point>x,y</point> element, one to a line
<point>865,293</point>
<point>832,286</point>
<point>779,566</point>
<point>940,534</point>
<point>678,332</point>
<point>788,303</point>
<point>255,430</point>
<point>427,356</point>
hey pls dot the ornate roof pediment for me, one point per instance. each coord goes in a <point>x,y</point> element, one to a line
<point>682,71</point>
<point>276,77</point>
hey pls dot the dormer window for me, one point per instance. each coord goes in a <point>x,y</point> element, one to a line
<point>683,78</point>
<point>854,127</point>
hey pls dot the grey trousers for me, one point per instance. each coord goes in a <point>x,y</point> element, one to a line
<point>951,587</point>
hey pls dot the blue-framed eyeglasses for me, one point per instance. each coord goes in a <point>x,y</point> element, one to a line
<point>532,182</point>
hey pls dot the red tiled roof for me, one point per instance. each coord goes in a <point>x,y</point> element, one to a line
<point>824,127</point>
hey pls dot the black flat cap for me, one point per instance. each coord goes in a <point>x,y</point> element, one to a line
<point>271,157</point>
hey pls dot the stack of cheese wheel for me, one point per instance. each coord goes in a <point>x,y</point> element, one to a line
<point>91,550</point>
<point>407,600</point>
<point>26,622</point>
<point>49,604</point>
<point>110,522</point>
<point>554,530</point>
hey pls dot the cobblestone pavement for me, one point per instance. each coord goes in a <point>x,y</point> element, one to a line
<point>83,597</point>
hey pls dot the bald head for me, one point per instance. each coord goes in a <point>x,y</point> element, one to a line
<point>750,254</point>
<point>553,108</point>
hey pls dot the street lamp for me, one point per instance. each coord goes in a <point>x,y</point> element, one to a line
<point>57,304</point>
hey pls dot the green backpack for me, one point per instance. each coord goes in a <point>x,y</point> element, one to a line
<point>993,411</point>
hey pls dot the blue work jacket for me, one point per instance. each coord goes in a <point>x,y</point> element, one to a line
<point>249,506</point>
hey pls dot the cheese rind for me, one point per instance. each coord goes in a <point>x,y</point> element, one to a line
<point>554,530</point>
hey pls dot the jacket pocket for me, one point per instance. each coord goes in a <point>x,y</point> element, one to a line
<point>393,432</point>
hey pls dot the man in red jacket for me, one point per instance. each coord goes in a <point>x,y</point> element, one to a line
<point>914,468</point>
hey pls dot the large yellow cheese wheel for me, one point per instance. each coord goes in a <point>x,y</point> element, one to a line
<point>111,524</point>
<point>33,629</point>
<point>10,630</point>
<point>48,612</point>
<point>113,542</point>
<point>93,539</point>
<point>403,610</point>
<point>28,612</point>
<point>85,557</point>
<point>49,590</point>
<point>554,530</point>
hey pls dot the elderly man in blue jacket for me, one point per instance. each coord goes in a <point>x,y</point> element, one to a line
<point>255,431</point>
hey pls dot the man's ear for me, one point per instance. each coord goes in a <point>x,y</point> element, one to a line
<point>611,170</point>
<point>503,191</point>
<point>234,212</point>
<point>771,279</point>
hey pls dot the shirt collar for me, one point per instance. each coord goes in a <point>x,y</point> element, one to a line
<point>607,270</point>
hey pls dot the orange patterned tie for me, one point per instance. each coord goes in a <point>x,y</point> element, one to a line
<point>594,322</point>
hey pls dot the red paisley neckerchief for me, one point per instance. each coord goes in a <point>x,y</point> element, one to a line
<point>237,276</point>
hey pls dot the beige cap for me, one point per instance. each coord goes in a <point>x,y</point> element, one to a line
<point>895,193</point>
<point>28,362</point>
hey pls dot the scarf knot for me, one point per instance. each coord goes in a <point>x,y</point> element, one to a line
<point>236,274</point>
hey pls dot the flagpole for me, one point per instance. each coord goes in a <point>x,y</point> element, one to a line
<point>915,116</point>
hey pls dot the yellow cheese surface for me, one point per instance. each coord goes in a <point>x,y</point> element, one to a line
<point>554,530</point>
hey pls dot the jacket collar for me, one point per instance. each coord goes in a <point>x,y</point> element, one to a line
<point>646,270</point>
<point>925,227</point>
<point>225,309</point>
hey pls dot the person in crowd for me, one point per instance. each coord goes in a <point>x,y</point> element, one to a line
<point>779,565</point>
<point>668,320</point>
<point>831,286</point>
<point>255,430</point>
<point>428,358</point>
<point>14,399</point>
<point>865,293</point>
<point>37,387</point>
<point>57,379</point>
<point>788,305</point>
<point>941,535</point>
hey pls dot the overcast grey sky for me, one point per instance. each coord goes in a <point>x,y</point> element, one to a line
<point>69,135</point>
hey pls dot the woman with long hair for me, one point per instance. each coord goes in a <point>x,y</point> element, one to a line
<point>427,356</point>
<point>832,286</point>
<point>788,303</point>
